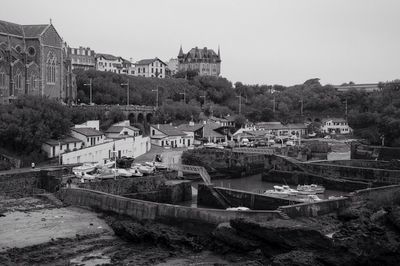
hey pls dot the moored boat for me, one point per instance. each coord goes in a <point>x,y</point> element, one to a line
<point>135,171</point>
<point>85,168</point>
<point>281,191</point>
<point>310,189</point>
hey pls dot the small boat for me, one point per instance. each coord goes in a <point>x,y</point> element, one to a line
<point>106,173</point>
<point>144,169</point>
<point>282,191</point>
<point>135,171</point>
<point>238,209</point>
<point>310,189</point>
<point>122,172</point>
<point>109,163</point>
<point>157,165</point>
<point>86,176</point>
<point>85,168</point>
<point>310,198</point>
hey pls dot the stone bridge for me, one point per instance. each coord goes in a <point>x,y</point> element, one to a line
<point>137,114</point>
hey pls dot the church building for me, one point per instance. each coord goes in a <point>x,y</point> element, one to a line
<point>34,60</point>
<point>205,61</point>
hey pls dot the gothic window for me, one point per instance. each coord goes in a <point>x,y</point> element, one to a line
<point>33,85</point>
<point>51,68</point>
<point>18,83</point>
<point>3,82</point>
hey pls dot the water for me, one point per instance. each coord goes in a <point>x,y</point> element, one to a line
<point>251,184</point>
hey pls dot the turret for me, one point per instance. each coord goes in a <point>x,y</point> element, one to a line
<point>180,55</point>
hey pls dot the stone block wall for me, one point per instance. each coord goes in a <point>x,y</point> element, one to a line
<point>238,198</point>
<point>315,209</point>
<point>139,209</point>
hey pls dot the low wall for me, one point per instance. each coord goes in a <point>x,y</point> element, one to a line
<point>296,178</point>
<point>172,192</point>
<point>237,198</point>
<point>130,185</point>
<point>381,176</point>
<point>22,183</point>
<point>374,193</point>
<point>388,165</point>
<point>139,209</point>
<point>316,208</point>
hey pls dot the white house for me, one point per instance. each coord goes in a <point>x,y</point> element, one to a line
<point>166,135</point>
<point>335,126</point>
<point>53,147</point>
<point>121,130</point>
<point>108,62</point>
<point>89,136</point>
<point>129,146</point>
<point>149,68</point>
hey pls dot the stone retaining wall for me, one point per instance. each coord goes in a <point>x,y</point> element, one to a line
<point>316,208</point>
<point>139,209</point>
<point>237,198</point>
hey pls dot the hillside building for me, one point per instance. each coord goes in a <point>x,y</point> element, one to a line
<point>82,58</point>
<point>149,68</point>
<point>205,61</point>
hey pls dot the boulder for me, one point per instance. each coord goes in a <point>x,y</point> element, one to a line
<point>229,236</point>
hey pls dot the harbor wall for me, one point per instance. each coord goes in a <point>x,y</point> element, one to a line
<point>172,192</point>
<point>316,208</point>
<point>140,209</point>
<point>27,182</point>
<point>130,185</point>
<point>301,178</point>
<point>238,198</point>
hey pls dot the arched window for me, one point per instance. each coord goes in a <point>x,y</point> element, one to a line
<point>18,84</point>
<point>33,85</point>
<point>3,83</point>
<point>51,68</point>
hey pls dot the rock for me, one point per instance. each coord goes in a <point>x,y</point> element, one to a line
<point>394,216</point>
<point>296,258</point>
<point>379,215</point>
<point>283,234</point>
<point>225,233</point>
<point>348,214</point>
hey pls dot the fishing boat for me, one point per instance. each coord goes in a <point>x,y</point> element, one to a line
<point>122,172</point>
<point>135,171</point>
<point>144,169</point>
<point>109,163</point>
<point>85,168</point>
<point>157,165</point>
<point>310,189</point>
<point>310,198</point>
<point>281,191</point>
<point>106,173</point>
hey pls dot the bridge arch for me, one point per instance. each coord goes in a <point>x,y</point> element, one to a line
<point>149,118</point>
<point>140,118</point>
<point>132,118</point>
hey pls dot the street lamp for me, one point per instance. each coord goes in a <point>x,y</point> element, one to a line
<point>204,96</point>
<point>184,95</point>
<point>156,90</point>
<point>115,164</point>
<point>90,89</point>
<point>127,91</point>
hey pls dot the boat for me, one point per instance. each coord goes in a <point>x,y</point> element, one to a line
<point>144,169</point>
<point>310,189</point>
<point>89,177</point>
<point>135,171</point>
<point>157,165</point>
<point>238,209</point>
<point>282,191</point>
<point>85,168</point>
<point>109,163</point>
<point>122,172</point>
<point>106,173</point>
<point>310,198</point>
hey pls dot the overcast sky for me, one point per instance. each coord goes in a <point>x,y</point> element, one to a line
<point>262,41</point>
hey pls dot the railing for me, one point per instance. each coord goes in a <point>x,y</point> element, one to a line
<point>268,151</point>
<point>194,170</point>
<point>122,107</point>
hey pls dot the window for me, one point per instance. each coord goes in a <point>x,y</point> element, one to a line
<point>18,82</point>
<point>51,68</point>
<point>3,81</point>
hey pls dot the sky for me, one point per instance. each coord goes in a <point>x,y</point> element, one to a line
<point>262,41</point>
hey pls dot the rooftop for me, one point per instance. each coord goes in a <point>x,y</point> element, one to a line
<point>28,31</point>
<point>88,131</point>
<point>148,61</point>
<point>169,130</point>
<point>54,142</point>
<point>107,56</point>
<point>190,128</point>
<point>118,129</point>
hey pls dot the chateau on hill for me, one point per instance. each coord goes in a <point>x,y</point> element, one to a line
<point>205,61</point>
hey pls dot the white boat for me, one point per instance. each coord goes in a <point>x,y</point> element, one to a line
<point>109,163</point>
<point>135,171</point>
<point>238,209</point>
<point>144,169</point>
<point>310,189</point>
<point>157,165</point>
<point>310,198</point>
<point>106,173</point>
<point>282,191</point>
<point>85,168</point>
<point>88,177</point>
<point>122,172</point>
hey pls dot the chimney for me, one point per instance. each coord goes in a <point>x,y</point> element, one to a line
<point>158,126</point>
